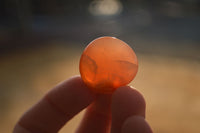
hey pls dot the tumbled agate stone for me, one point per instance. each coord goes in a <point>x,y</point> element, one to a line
<point>107,63</point>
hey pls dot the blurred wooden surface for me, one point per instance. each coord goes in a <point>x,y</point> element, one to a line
<point>170,85</point>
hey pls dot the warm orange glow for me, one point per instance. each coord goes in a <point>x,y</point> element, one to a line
<point>108,63</point>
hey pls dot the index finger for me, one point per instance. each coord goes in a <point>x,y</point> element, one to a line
<point>57,107</point>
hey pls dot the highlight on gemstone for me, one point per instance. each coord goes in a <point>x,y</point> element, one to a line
<point>107,63</point>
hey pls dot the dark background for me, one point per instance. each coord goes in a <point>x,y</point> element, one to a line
<point>167,24</point>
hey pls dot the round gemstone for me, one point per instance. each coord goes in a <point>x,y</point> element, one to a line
<point>107,63</point>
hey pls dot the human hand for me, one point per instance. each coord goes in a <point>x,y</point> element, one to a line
<point>60,104</point>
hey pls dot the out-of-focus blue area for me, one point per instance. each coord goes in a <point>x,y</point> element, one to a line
<point>149,26</point>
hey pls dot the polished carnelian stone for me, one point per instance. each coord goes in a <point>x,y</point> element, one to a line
<point>107,63</point>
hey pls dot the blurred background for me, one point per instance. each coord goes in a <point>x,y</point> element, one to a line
<point>41,43</point>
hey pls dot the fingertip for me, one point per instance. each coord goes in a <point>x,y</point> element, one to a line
<point>57,107</point>
<point>126,102</point>
<point>19,129</point>
<point>136,124</point>
<point>71,91</point>
<point>126,97</point>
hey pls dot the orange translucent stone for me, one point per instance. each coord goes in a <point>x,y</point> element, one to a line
<point>107,63</point>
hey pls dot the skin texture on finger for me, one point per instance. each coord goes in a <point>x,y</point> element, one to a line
<point>136,124</point>
<point>126,102</point>
<point>57,107</point>
<point>97,118</point>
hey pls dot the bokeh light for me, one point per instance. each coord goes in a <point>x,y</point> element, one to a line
<point>105,7</point>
